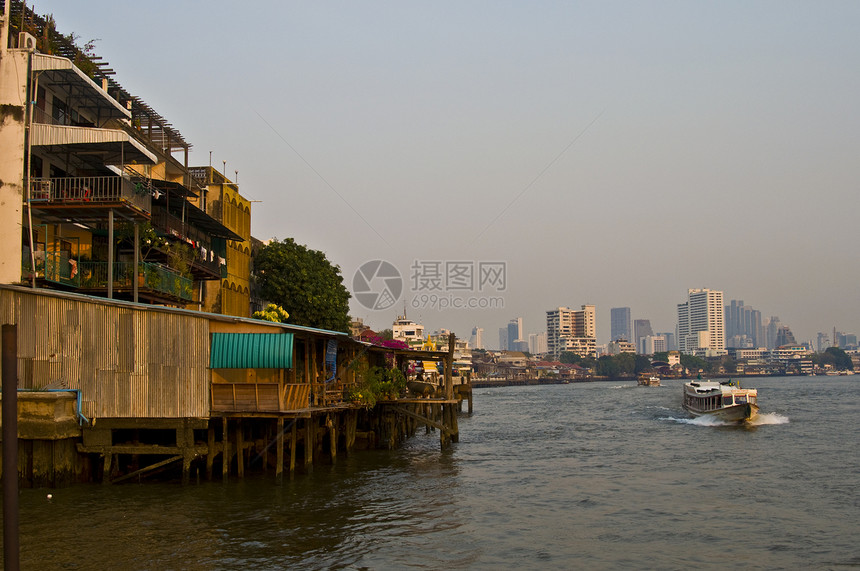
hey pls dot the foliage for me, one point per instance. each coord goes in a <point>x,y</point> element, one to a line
<point>834,356</point>
<point>694,364</point>
<point>292,275</point>
<point>374,384</point>
<point>273,313</point>
<point>571,358</point>
<point>386,334</point>
<point>662,356</point>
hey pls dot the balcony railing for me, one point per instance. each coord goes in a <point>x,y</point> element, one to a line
<point>90,190</point>
<point>55,267</point>
<point>153,277</point>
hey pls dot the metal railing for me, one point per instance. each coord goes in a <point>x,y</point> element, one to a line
<point>55,267</point>
<point>90,189</point>
<point>154,277</point>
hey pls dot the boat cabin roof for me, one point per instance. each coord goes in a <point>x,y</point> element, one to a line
<point>705,387</point>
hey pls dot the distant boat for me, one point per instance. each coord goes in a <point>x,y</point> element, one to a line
<point>725,401</point>
<point>647,380</point>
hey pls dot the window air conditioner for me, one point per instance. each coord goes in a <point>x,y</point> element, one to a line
<point>26,41</point>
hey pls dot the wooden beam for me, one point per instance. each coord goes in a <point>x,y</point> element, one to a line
<point>420,418</point>
<point>147,469</point>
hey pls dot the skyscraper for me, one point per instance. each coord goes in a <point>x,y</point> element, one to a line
<point>701,323</point>
<point>743,326</point>
<point>641,329</point>
<point>515,333</point>
<point>477,340</point>
<point>620,324</point>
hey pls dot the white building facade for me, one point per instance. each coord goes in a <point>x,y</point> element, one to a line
<point>701,329</point>
<point>571,330</point>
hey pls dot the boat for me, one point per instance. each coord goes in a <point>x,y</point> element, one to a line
<point>723,400</point>
<point>647,380</point>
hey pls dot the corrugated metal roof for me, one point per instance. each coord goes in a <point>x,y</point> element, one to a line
<point>251,351</point>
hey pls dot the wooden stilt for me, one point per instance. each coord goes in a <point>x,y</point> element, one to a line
<point>225,449</point>
<point>240,449</point>
<point>279,455</point>
<point>106,468</point>
<point>210,455</point>
<point>332,439</point>
<point>293,440</point>
<point>310,443</point>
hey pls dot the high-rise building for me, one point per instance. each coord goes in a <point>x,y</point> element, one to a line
<point>503,339</point>
<point>701,323</point>
<point>651,344</point>
<point>772,330</point>
<point>641,329</point>
<point>620,324</point>
<point>515,333</point>
<point>743,326</point>
<point>571,330</point>
<point>784,336</point>
<point>477,339</point>
<point>537,343</point>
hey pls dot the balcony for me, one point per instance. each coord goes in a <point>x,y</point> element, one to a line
<point>150,277</point>
<point>90,192</point>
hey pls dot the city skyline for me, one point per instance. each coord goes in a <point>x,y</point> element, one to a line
<point>407,132</point>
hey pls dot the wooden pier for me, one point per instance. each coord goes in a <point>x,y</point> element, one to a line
<point>153,390</point>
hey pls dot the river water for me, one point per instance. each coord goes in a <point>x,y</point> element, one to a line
<point>601,475</point>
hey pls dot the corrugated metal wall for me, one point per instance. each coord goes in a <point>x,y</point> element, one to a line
<point>127,361</point>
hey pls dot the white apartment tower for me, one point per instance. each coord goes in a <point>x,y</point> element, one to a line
<point>571,330</point>
<point>700,323</point>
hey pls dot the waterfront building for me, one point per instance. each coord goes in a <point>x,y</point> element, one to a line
<point>571,330</point>
<point>221,198</point>
<point>404,329</point>
<point>700,323</point>
<point>97,192</point>
<point>620,324</point>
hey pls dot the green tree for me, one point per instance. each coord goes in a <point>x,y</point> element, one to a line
<point>643,364</point>
<point>694,363</point>
<point>569,358</point>
<point>834,356</point>
<point>303,280</point>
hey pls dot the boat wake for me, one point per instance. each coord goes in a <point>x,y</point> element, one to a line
<point>769,418</point>
<point>759,420</point>
<point>699,421</point>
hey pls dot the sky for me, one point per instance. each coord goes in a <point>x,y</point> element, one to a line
<point>613,153</point>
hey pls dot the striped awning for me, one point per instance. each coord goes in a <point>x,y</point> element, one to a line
<point>251,351</point>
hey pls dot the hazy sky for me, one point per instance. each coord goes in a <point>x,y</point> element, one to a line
<point>609,153</point>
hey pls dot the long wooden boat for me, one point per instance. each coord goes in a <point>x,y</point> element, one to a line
<point>723,400</point>
<point>647,380</point>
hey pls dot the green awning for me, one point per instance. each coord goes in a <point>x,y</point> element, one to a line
<point>251,351</point>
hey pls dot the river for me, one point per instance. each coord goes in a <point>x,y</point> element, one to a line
<point>601,475</point>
